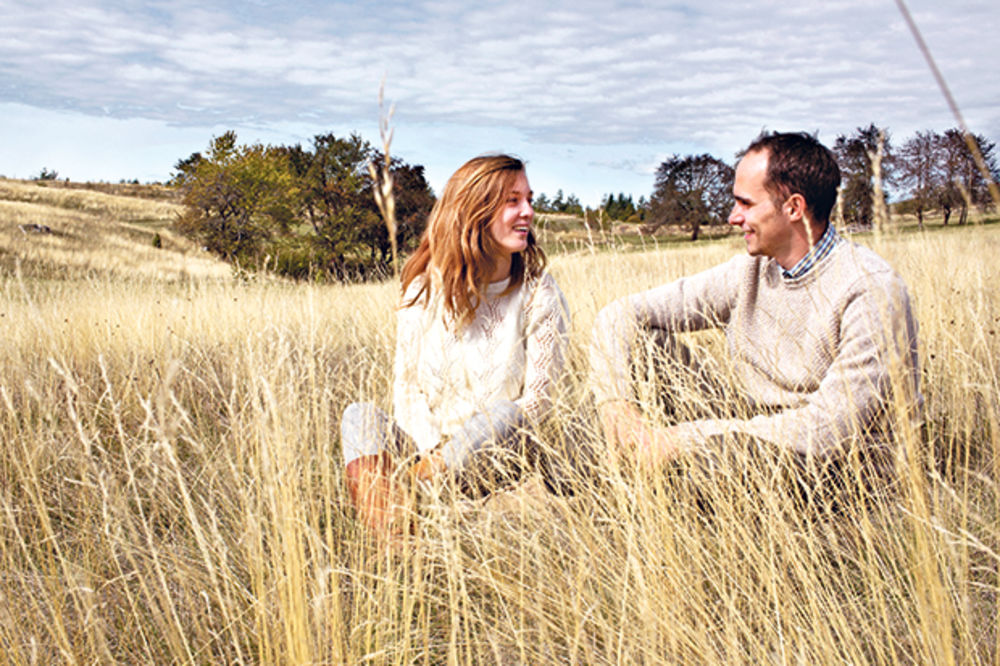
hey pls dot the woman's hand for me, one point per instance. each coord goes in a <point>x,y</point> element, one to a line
<point>429,466</point>
<point>383,504</point>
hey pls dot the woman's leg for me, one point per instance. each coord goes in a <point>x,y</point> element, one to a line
<point>371,442</point>
<point>488,451</point>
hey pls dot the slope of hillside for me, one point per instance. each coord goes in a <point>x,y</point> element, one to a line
<point>68,231</point>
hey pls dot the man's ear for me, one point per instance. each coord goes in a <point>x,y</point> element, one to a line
<point>795,207</point>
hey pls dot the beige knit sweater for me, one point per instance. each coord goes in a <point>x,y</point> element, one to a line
<point>514,349</point>
<point>820,355</point>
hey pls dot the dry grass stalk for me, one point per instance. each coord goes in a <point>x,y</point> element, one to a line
<point>879,210</point>
<point>383,182</point>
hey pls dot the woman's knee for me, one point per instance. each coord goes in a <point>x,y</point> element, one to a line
<point>360,431</point>
<point>494,432</point>
<point>498,421</point>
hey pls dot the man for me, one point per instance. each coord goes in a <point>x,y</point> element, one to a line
<point>820,333</point>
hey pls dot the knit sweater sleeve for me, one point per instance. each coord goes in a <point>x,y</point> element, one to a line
<point>410,406</point>
<point>874,356</point>
<point>697,302</point>
<point>546,340</point>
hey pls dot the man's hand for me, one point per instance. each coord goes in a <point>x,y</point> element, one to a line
<point>631,437</point>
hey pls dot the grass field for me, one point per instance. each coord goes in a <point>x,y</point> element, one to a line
<point>172,488</point>
<point>92,232</point>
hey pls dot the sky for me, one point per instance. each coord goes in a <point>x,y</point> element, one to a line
<point>593,95</point>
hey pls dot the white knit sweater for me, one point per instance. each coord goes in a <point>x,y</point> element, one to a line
<point>819,355</point>
<point>514,349</point>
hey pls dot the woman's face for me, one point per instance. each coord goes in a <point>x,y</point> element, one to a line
<point>511,225</point>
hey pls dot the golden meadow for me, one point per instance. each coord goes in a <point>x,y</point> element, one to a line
<point>172,488</point>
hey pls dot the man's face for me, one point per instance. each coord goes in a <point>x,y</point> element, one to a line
<point>767,229</point>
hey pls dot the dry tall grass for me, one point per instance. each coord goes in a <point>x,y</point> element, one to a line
<point>172,492</point>
<point>91,233</point>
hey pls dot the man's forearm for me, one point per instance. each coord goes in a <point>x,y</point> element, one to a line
<point>630,436</point>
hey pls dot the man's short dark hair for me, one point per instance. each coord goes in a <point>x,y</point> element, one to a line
<point>798,163</point>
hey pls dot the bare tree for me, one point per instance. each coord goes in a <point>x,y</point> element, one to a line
<point>856,157</point>
<point>963,183</point>
<point>919,167</point>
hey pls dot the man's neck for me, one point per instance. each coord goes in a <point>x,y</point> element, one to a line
<point>802,244</point>
<point>822,245</point>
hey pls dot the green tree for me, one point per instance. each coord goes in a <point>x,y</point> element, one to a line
<point>558,204</point>
<point>626,206</point>
<point>620,208</point>
<point>572,206</point>
<point>185,169</point>
<point>414,200</point>
<point>307,210</point>
<point>336,198</point>
<point>236,197</point>
<point>47,174</point>
<point>334,195</point>
<point>690,191</point>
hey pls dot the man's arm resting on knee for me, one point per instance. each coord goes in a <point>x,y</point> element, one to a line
<point>630,436</point>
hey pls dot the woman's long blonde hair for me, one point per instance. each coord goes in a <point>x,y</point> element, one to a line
<point>457,252</point>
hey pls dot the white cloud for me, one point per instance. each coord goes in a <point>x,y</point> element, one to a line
<point>573,74</point>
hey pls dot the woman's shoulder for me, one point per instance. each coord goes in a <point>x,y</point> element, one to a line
<point>542,282</point>
<point>417,303</point>
<point>544,293</point>
<point>419,292</point>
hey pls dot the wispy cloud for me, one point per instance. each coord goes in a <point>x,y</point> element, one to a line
<point>578,73</point>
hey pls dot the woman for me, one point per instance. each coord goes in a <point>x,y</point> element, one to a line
<point>481,341</point>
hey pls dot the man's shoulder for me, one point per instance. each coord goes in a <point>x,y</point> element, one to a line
<point>851,260</point>
<point>859,274</point>
<point>733,276</point>
<point>744,265</point>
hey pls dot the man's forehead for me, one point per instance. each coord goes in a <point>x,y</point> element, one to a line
<point>755,160</point>
<point>752,169</point>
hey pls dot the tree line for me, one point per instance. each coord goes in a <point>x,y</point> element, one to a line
<point>560,203</point>
<point>299,211</point>
<point>939,171</point>
<point>311,211</point>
